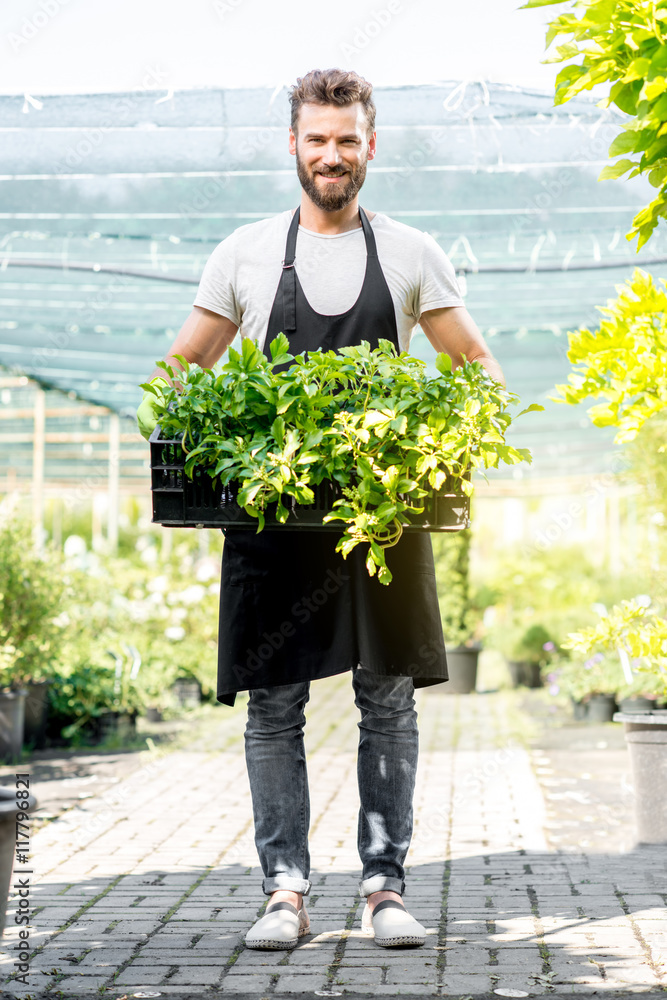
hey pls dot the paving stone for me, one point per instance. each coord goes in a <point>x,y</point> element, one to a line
<point>247,984</point>
<point>196,975</point>
<point>301,984</point>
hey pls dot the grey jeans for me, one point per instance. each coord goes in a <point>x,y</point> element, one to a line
<point>386,767</point>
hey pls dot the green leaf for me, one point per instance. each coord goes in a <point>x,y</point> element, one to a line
<point>539,3</point>
<point>614,170</point>
<point>533,408</point>
<point>278,431</point>
<point>626,142</point>
<point>443,362</point>
<point>279,345</point>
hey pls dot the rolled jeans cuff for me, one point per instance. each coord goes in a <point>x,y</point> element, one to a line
<point>301,885</point>
<point>381,883</point>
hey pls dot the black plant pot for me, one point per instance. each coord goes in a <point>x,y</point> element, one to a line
<point>462,669</point>
<point>187,692</point>
<point>601,708</point>
<point>122,724</point>
<point>12,718</point>
<point>525,674</point>
<point>579,710</point>
<point>36,713</point>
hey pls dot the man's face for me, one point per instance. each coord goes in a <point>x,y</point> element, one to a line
<point>332,148</point>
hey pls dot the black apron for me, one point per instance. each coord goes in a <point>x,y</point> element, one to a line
<point>291,608</point>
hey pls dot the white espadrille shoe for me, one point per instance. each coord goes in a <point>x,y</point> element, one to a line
<point>392,925</point>
<point>281,927</point>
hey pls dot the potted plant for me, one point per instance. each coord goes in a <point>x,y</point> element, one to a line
<point>460,617</point>
<point>527,651</point>
<point>592,681</point>
<point>88,703</point>
<point>31,592</point>
<point>640,633</point>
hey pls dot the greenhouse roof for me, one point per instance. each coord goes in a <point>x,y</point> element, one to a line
<point>111,204</point>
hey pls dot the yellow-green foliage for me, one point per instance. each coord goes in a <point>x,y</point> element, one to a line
<point>632,627</point>
<point>622,42</point>
<point>624,362</point>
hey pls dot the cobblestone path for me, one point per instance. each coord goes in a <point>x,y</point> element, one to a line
<point>150,886</point>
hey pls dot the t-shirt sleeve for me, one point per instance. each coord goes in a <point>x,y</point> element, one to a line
<point>438,286</point>
<point>216,286</point>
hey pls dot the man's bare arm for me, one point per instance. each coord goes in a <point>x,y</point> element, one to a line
<point>454,331</point>
<point>202,340</point>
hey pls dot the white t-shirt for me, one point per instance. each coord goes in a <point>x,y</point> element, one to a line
<point>241,276</point>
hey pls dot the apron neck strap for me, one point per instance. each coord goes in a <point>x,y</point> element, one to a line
<point>371,246</point>
<point>290,247</point>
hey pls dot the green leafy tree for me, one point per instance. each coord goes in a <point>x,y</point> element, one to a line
<point>623,43</point>
<point>625,361</point>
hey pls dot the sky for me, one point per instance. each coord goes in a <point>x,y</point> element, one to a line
<point>97,46</point>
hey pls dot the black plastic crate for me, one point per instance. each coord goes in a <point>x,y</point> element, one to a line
<point>179,501</point>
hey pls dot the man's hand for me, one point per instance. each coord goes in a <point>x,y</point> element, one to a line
<point>454,331</point>
<point>147,417</point>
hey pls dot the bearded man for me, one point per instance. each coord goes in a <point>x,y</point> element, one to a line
<point>328,274</point>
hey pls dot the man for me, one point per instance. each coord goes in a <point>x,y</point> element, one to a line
<point>292,610</point>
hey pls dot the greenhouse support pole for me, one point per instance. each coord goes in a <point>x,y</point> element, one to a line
<point>38,468</point>
<point>614,534</point>
<point>114,472</point>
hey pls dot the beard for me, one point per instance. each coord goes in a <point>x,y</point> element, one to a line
<point>331,198</point>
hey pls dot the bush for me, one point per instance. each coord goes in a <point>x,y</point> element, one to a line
<point>33,588</point>
<point>460,615</point>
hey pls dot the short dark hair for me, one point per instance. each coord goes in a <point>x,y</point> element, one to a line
<point>332,86</point>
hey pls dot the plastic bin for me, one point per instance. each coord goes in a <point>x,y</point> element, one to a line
<point>179,501</point>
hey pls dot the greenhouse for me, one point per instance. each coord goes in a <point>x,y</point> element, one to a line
<point>171,595</point>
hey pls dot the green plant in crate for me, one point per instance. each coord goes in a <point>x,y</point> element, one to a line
<point>373,421</point>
